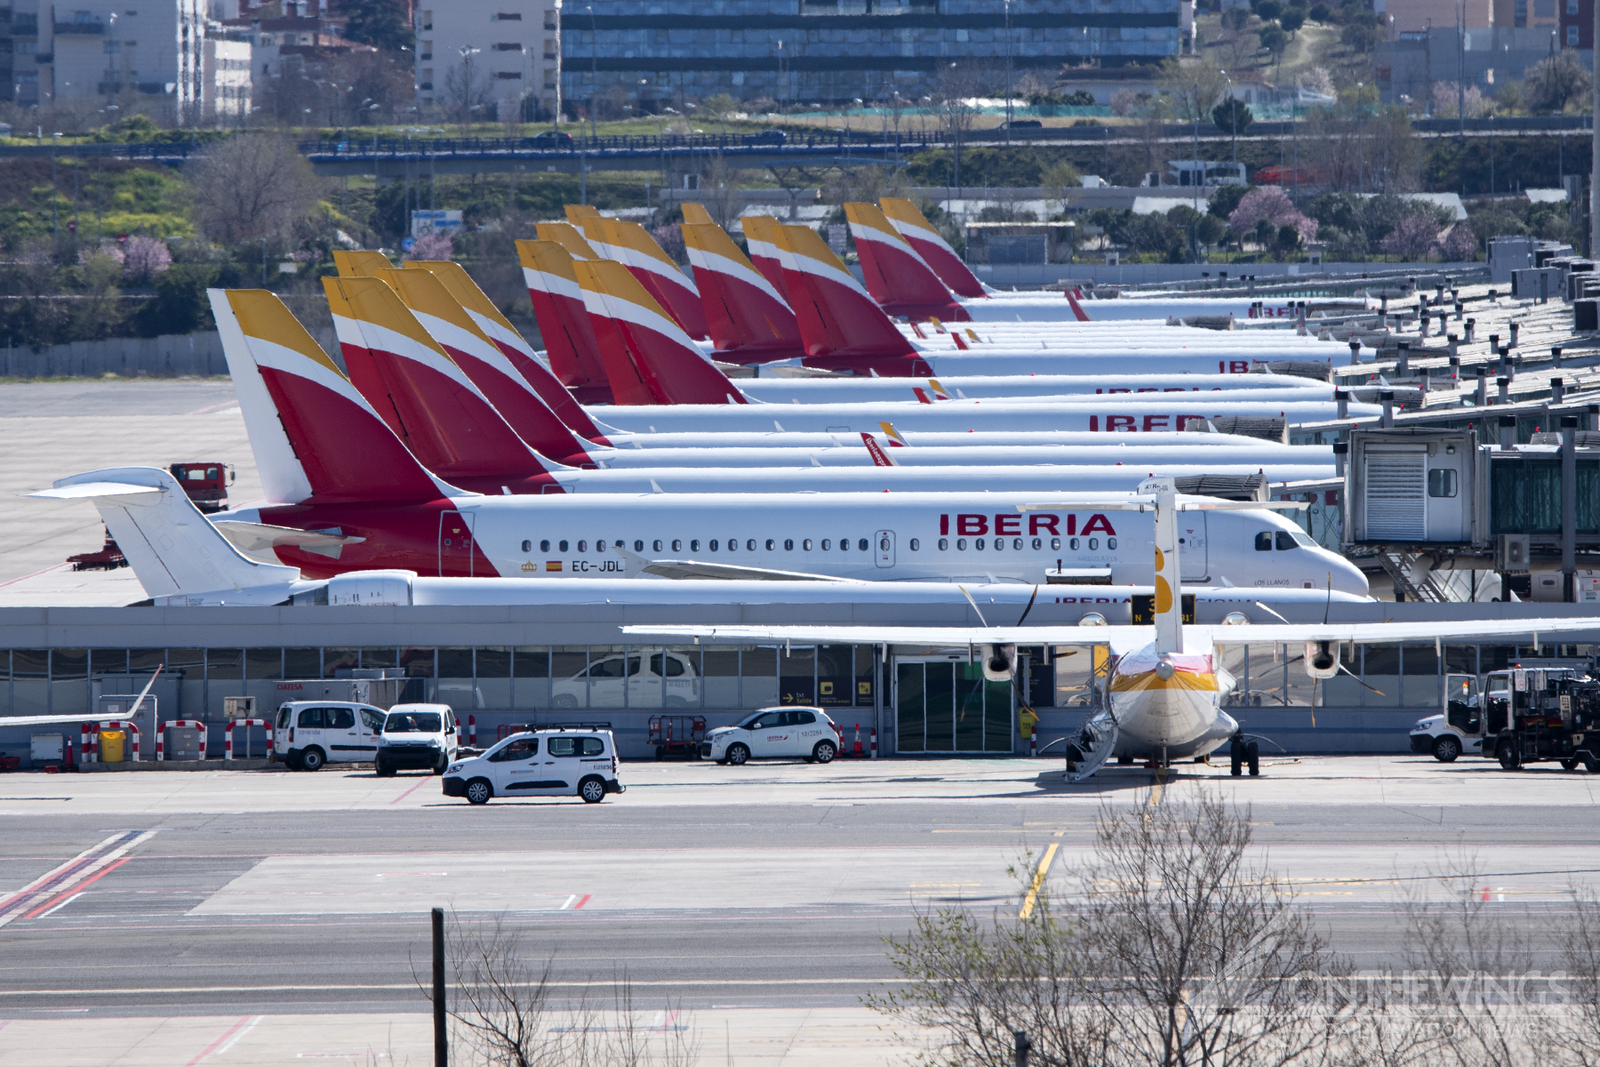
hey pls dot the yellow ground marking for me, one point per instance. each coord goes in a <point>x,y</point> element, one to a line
<point>1038,880</point>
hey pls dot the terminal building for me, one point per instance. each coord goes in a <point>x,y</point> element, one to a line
<point>532,664</point>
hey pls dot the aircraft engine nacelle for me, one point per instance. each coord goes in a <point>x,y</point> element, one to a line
<point>1322,658</point>
<point>999,663</point>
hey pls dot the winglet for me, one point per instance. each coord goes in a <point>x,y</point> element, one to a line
<point>880,458</point>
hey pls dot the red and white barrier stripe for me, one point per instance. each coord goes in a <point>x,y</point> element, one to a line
<point>874,742</point>
<point>1033,742</point>
<point>227,735</point>
<point>472,730</point>
<point>91,737</point>
<point>161,736</point>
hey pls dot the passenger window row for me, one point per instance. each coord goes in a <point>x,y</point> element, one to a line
<point>1018,543</point>
<point>845,544</point>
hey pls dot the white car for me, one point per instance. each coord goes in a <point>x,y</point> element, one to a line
<point>419,737</point>
<point>309,733</point>
<point>775,733</point>
<point>541,763</point>
<point>661,679</point>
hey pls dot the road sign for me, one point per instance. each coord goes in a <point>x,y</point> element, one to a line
<point>72,225</point>
<point>407,243</point>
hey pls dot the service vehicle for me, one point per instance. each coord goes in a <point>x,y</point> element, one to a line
<point>564,761</point>
<point>417,737</point>
<point>309,733</point>
<point>665,679</point>
<point>1475,713</point>
<point>775,733</point>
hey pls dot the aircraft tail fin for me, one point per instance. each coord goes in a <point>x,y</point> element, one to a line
<point>359,264</point>
<point>743,311</point>
<point>174,549</point>
<point>880,458</point>
<point>631,245</point>
<point>1077,308</point>
<point>439,412</point>
<point>761,238</point>
<point>568,236</point>
<point>836,315</point>
<point>506,337</point>
<point>696,215</point>
<point>649,359</point>
<point>313,434</point>
<point>921,235</point>
<point>577,212</point>
<point>897,277</point>
<point>453,330</point>
<point>570,342</point>
<point>895,440</point>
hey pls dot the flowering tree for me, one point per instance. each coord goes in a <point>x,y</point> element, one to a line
<point>1460,245</point>
<point>431,246</point>
<point>670,238</point>
<point>144,258</point>
<point>107,248</point>
<point>1273,205</point>
<point>1412,238</point>
<point>1448,99</point>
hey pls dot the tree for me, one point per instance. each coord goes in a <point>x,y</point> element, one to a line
<point>1361,34</point>
<point>1237,44</point>
<point>380,23</point>
<point>251,186</point>
<point>1182,951</point>
<point>1271,205</point>
<point>1274,40</point>
<point>1194,89</point>
<point>1232,116</point>
<point>1292,19</point>
<point>1412,238</point>
<point>467,91</point>
<point>1554,84</point>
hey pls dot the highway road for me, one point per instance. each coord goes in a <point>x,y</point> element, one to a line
<point>768,887</point>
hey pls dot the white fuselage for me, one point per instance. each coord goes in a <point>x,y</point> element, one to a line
<point>1162,719</point>
<point>884,536</point>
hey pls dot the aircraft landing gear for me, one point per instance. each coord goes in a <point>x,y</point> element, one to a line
<point>1242,753</point>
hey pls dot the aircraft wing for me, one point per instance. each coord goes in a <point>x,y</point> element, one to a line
<point>1397,632</point>
<point>1120,638</point>
<point>1123,639</point>
<point>52,720</point>
<point>256,536</point>
<point>91,490</point>
<point>694,568</point>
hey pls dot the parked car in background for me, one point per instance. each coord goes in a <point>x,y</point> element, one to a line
<point>309,733</point>
<point>775,733</point>
<point>417,737</point>
<point>656,680</point>
<point>767,137</point>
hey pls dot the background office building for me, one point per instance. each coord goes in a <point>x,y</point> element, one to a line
<point>829,51</point>
<point>479,59</point>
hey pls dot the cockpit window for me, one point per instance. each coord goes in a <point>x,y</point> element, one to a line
<point>1287,539</point>
<point>1264,542</point>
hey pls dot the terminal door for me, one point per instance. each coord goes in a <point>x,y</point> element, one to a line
<point>943,704</point>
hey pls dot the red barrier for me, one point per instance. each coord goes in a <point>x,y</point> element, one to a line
<point>472,730</point>
<point>227,735</point>
<point>161,736</point>
<point>874,742</point>
<point>91,737</point>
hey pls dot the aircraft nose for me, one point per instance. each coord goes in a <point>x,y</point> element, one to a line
<point>1347,577</point>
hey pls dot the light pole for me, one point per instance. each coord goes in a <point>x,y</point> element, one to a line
<point>1009,71</point>
<point>594,70</point>
<point>467,52</point>
<point>1233,116</point>
<point>1361,168</point>
<point>558,64</point>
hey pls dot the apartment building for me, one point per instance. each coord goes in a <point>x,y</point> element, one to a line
<point>488,58</point>
<point>150,50</point>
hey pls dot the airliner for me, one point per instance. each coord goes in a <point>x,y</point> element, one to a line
<point>183,560</point>
<point>350,496</point>
<point>455,432</point>
<point>1165,692</point>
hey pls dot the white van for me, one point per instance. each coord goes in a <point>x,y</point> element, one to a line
<point>417,737</point>
<point>656,680</point>
<point>309,733</point>
<point>541,763</point>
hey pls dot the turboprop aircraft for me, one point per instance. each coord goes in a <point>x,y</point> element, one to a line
<point>1164,694</point>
